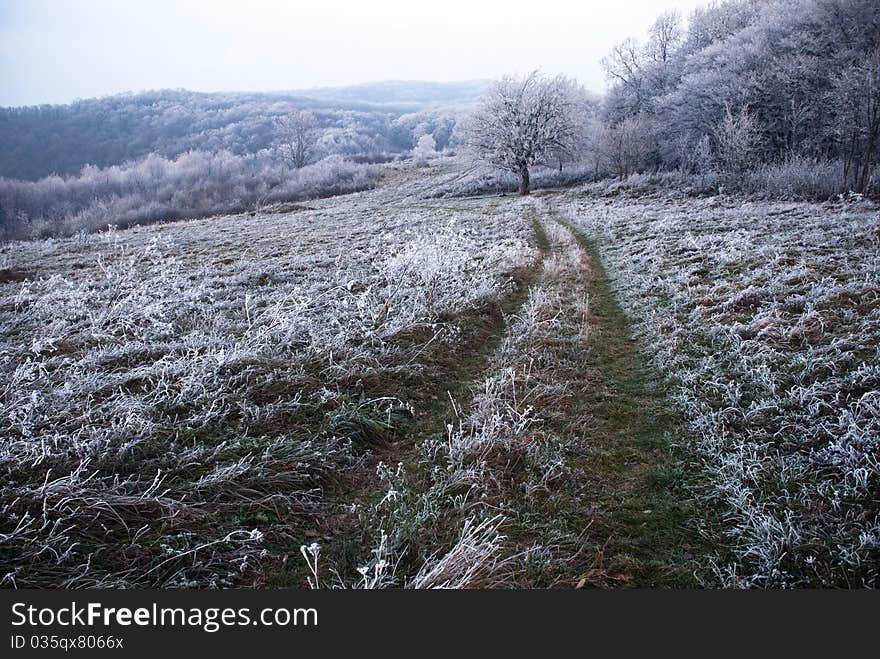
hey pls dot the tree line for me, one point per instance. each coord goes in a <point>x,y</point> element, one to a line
<point>747,92</point>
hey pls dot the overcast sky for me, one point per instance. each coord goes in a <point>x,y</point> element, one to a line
<point>53,51</point>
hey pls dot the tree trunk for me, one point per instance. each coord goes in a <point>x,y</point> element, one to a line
<point>850,160</point>
<point>524,184</point>
<point>868,158</point>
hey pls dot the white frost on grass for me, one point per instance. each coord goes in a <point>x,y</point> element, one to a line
<point>766,319</point>
<point>162,386</point>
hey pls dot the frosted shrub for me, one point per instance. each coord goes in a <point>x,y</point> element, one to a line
<point>797,178</point>
<point>425,149</point>
<point>442,271</point>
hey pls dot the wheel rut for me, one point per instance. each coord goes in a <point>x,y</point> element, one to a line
<point>631,494</point>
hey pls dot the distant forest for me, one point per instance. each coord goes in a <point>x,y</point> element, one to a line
<point>60,139</point>
<point>136,158</point>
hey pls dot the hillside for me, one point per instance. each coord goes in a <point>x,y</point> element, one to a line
<point>415,93</point>
<point>359,120</point>
<point>564,390</point>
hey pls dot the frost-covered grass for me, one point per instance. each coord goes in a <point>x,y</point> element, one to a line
<point>766,319</point>
<point>410,392</point>
<point>176,401</point>
<point>442,519</point>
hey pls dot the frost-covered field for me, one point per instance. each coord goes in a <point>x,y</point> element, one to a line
<point>176,398</point>
<point>766,318</point>
<point>390,389</point>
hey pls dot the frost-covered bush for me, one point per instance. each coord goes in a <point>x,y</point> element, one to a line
<point>194,184</point>
<point>445,270</point>
<point>797,178</point>
<point>425,149</point>
<point>736,141</point>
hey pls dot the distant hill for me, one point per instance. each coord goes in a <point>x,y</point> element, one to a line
<point>368,119</point>
<point>412,92</point>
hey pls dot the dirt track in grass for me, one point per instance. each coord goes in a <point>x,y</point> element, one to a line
<point>621,513</point>
<point>643,531</point>
<point>590,487</point>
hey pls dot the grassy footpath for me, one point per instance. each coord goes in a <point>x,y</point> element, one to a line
<point>591,487</point>
<point>644,532</point>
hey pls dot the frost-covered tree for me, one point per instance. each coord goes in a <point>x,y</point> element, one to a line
<point>425,148</point>
<point>737,138</point>
<point>856,105</point>
<point>297,137</point>
<point>522,122</point>
<point>626,146</point>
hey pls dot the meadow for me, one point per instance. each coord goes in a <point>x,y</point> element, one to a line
<point>394,389</point>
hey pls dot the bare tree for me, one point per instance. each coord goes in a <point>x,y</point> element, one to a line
<point>856,102</point>
<point>736,138</point>
<point>297,137</point>
<point>640,73</point>
<point>625,70</point>
<point>665,37</point>
<point>626,146</point>
<point>524,121</point>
